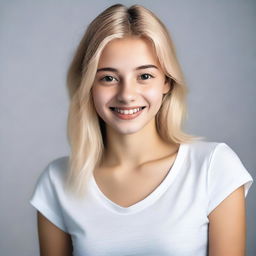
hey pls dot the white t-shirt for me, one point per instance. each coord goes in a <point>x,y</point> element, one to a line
<point>172,220</point>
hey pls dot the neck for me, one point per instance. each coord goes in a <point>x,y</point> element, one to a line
<point>134,150</point>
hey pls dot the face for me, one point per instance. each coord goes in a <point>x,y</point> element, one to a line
<point>128,76</point>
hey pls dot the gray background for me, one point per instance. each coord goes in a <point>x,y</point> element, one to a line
<point>216,45</point>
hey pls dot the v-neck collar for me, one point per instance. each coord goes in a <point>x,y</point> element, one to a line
<point>152,197</point>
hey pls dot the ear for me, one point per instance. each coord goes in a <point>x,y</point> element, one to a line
<point>167,85</point>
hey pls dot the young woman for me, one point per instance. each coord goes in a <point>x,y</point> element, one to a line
<point>135,183</point>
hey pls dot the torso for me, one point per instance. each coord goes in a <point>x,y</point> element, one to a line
<point>127,187</point>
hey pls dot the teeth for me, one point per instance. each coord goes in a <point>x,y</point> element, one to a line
<point>128,112</point>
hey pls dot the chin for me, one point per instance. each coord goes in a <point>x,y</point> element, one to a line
<point>127,131</point>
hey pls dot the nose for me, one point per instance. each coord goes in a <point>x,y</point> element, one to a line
<point>127,92</point>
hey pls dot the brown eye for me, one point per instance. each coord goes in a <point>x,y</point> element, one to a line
<point>145,76</point>
<point>108,78</point>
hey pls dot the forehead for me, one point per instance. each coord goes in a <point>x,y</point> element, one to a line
<point>128,52</point>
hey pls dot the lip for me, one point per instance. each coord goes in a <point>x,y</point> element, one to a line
<point>128,108</point>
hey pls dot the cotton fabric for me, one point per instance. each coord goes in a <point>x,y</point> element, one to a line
<point>172,220</point>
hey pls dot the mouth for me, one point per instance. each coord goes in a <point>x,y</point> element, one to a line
<point>127,111</point>
<point>127,114</point>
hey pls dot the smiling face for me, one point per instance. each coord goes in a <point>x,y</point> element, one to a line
<point>128,76</point>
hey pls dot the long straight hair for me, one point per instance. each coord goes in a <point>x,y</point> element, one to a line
<point>85,129</point>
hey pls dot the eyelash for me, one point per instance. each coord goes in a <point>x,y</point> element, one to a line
<point>151,76</point>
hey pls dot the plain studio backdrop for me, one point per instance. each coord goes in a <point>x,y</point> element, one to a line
<point>216,46</point>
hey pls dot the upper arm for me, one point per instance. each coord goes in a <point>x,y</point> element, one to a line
<point>227,227</point>
<point>52,240</point>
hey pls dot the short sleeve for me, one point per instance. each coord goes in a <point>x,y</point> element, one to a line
<point>45,199</point>
<point>226,173</point>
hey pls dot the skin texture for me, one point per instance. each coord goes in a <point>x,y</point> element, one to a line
<point>130,141</point>
<point>227,229</point>
<point>52,240</point>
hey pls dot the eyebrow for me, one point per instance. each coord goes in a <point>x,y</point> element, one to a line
<point>116,70</point>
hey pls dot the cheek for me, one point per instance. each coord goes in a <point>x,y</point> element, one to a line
<point>96,94</point>
<point>100,98</point>
<point>153,95</point>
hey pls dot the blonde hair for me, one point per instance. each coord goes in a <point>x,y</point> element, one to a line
<point>86,131</point>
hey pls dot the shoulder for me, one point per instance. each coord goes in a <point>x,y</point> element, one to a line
<point>209,152</point>
<point>201,150</point>
<point>49,192</point>
<point>58,165</point>
<point>55,171</point>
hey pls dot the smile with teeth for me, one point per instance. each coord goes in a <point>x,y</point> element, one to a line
<point>127,112</point>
